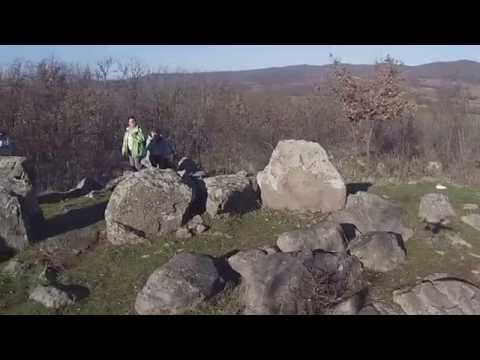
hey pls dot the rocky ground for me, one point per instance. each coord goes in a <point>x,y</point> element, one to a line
<point>114,275</point>
<point>158,242</point>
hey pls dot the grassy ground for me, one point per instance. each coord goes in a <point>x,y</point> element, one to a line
<point>423,256</point>
<point>114,275</point>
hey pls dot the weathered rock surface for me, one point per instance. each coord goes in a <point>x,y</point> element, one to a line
<point>300,177</point>
<point>73,242</point>
<point>230,194</point>
<point>295,283</point>
<point>473,220</point>
<point>435,209</point>
<point>370,213</point>
<point>379,251</point>
<point>147,204</point>
<point>327,236</point>
<point>439,294</point>
<point>19,210</point>
<point>51,297</point>
<point>180,285</point>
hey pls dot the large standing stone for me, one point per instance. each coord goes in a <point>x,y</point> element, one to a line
<point>300,177</point>
<point>180,285</point>
<point>370,213</point>
<point>147,204</point>
<point>379,251</point>
<point>435,209</point>
<point>327,236</point>
<point>230,194</point>
<point>295,283</point>
<point>439,294</point>
<point>19,210</point>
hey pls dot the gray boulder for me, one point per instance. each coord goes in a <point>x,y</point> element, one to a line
<point>379,251</point>
<point>19,210</point>
<point>300,177</point>
<point>230,194</point>
<point>435,209</point>
<point>180,285</point>
<point>327,236</point>
<point>439,294</point>
<point>145,205</point>
<point>370,213</point>
<point>295,283</point>
<point>51,297</point>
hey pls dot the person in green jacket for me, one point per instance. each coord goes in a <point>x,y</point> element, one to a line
<point>134,144</point>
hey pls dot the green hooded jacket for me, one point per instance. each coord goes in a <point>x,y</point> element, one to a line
<point>134,143</point>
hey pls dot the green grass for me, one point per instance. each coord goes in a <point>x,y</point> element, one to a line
<point>422,256</point>
<point>115,274</point>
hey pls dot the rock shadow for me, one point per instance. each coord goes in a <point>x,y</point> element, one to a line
<point>77,291</point>
<point>72,220</point>
<point>353,188</point>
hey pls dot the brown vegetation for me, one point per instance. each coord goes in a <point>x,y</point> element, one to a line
<point>70,120</point>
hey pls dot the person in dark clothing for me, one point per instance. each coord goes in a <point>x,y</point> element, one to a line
<point>6,145</point>
<point>161,151</point>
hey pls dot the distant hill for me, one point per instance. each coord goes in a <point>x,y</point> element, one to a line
<point>297,79</point>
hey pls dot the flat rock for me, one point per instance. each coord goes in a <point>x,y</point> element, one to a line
<point>327,236</point>
<point>379,251</point>
<point>473,220</point>
<point>470,207</point>
<point>370,213</point>
<point>439,295</point>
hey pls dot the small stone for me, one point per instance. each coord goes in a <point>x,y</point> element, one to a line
<point>51,297</point>
<point>473,220</point>
<point>13,268</point>
<point>183,233</point>
<point>456,240</point>
<point>199,229</point>
<point>470,207</point>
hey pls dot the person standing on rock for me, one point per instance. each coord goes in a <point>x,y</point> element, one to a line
<point>161,151</point>
<point>134,144</point>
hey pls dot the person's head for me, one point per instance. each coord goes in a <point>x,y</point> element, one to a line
<point>156,133</point>
<point>132,122</point>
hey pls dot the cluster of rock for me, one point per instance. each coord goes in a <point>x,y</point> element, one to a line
<point>318,270</point>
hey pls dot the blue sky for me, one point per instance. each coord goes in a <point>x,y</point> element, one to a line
<point>238,57</point>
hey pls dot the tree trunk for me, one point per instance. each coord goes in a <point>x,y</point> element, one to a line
<point>369,141</point>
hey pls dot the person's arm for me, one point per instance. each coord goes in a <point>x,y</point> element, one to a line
<point>125,144</point>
